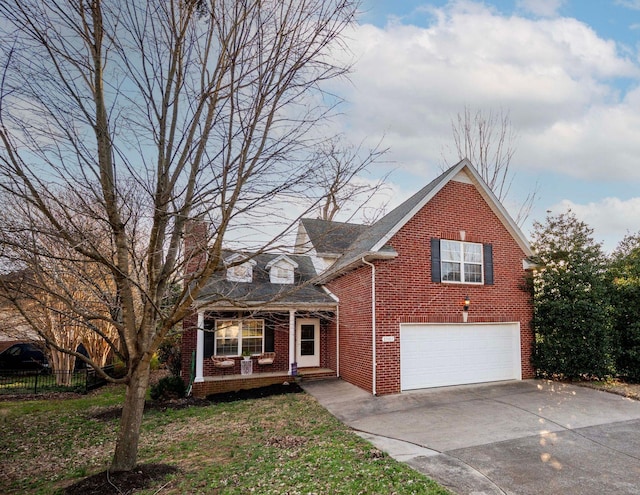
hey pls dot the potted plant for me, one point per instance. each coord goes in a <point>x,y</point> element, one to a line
<point>246,355</point>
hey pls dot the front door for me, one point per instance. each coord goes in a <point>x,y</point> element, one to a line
<point>308,342</point>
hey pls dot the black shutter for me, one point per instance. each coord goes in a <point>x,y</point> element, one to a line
<point>488,264</point>
<point>269,336</point>
<point>209,335</point>
<point>435,260</point>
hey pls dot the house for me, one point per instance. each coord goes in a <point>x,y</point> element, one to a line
<point>432,294</point>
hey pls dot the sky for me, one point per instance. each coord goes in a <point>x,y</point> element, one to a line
<point>567,73</point>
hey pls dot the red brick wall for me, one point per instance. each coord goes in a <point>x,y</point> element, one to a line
<point>354,291</point>
<point>328,343</point>
<point>405,293</point>
<point>188,344</point>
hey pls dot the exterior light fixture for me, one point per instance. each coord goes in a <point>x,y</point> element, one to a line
<point>465,309</point>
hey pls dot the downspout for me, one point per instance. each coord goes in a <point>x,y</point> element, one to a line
<point>373,322</point>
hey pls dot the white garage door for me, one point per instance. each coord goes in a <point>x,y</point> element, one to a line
<point>437,355</point>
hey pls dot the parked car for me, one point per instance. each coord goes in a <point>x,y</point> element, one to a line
<point>23,357</point>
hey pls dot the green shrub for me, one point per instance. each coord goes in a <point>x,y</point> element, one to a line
<point>170,387</point>
<point>572,311</point>
<point>625,276</point>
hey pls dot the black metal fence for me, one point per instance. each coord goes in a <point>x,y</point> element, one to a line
<point>46,380</point>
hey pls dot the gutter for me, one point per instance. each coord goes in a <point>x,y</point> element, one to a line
<point>332,272</point>
<point>374,363</point>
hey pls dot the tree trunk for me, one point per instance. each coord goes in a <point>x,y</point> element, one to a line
<point>126,454</point>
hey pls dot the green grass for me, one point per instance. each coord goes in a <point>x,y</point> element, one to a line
<point>281,444</point>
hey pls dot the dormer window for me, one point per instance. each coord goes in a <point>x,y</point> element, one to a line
<point>281,270</point>
<point>239,271</point>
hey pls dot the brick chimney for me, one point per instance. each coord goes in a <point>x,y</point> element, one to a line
<point>196,236</point>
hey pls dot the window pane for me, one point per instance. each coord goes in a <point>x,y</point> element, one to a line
<point>307,332</point>
<point>227,347</point>
<point>252,328</point>
<point>227,333</point>
<point>450,272</point>
<point>473,253</point>
<point>473,273</point>
<point>252,345</point>
<point>307,347</point>
<point>450,250</point>
<point>227,329</point>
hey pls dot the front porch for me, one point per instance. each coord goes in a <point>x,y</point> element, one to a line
<point>232,383</point>
<point>240,350</point>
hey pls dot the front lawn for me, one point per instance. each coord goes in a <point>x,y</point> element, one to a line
<point>273,445</point>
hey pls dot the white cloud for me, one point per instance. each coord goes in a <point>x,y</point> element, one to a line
<point>555,76</point>
<point>544,8</point>
<point>610,218</point>
<point>631,4</point>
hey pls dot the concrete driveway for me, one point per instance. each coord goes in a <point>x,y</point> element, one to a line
<point>528,437</point>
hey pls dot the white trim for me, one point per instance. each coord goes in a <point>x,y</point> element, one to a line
<point>200,349</point>
<point>303,242</point>
<point>284,263</point>
<point>282,257</point>
<point>292,339</point>
<point>269,307</point>
<point>461,262</point>
<point>247,263</point>
<point>312,361</point>
<point>462,177</point>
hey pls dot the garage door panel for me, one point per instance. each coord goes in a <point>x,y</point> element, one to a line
<point>441,355</point>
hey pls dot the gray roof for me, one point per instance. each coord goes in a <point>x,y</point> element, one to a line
<point>351,242</point>
<point>372,241</point>
<point>221,292</point>
<point>369,237</point>
<point>331,238</point>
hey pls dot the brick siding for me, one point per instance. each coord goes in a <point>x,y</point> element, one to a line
<point>405,293</point>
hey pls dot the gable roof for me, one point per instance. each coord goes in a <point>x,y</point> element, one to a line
<point>371,243</point>
<point>222,293</point>
<point>281,258</point>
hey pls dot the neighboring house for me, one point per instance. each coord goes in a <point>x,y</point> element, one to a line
<point>381,306</point>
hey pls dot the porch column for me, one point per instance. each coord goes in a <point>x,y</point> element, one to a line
<point>200,349</point>
<point>292,339</point>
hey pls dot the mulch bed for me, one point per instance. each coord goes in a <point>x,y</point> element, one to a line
<point>105,483</point>
<point>256,393</point>
<point>107,414</point>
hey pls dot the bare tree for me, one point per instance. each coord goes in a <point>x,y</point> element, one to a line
<point>77,311</point>
<point>340,171</point>
<point>122,119</point>
<point>487,140</point>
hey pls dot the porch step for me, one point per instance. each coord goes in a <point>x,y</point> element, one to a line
<point>309,374</point>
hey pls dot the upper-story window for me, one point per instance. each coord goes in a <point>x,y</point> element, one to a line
<point>461,262</point>
<point>239,271</point>
<point>282,270</point>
